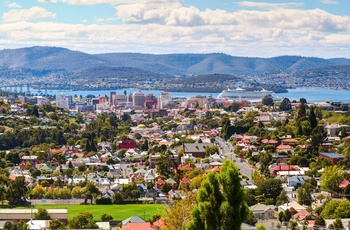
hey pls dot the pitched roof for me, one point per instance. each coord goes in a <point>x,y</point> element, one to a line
<point>260,207</point>
<point>133,219</point>
<point>196,147</point>
<point>302,214</point>
<point>138,226</point>
<point>170,181</point>
<point>332,155</point>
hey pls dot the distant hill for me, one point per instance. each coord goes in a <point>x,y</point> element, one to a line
<point>56,58</point>
<point>118,72</point>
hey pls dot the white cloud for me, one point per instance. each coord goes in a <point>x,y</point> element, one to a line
<point>27,14</point>
<point>286,19</point>
<point>267,5</point>
<point>14,5</point>
<point>329,1</point>
<point>46,1</point>
<point>173,28</point>
<point>112,2</point>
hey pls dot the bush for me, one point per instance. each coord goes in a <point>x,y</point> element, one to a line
<point>106,217</point>
<point>103,200</point>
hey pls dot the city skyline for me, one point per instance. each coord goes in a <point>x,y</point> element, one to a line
<point>241,28</point>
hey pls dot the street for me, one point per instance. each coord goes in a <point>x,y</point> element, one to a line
<point>226,149</point>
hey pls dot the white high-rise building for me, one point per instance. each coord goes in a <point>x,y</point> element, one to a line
<point>64,100</point>
<point>164,99</point>
<point>138,99</point>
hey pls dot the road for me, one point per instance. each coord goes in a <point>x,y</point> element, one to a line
<point>226,149</point>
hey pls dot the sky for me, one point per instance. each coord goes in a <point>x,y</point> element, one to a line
<point>313,28</point>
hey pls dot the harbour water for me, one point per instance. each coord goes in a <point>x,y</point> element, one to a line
<point>310,94</point>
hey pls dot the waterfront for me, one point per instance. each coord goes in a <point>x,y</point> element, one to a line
<point>310,94</point>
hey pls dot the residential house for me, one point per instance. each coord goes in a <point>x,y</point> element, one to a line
<point>291,205</point>
<point>300,216</point>
<point>262,211</point>
<point>269,142</point>
<point>149,177</point>
<point>334,157</point>
<point>264,118</point>
<point>77,179</point>
<point>127,144</point>
<point>217,158</point>
<point>115,173</point>
<point>172,182</point>
<point>188,157</point>
<point>133,219</point>
<point>284,148</point>
<point>290,141</point>
<point>296,181</point>
<point>196,149</point>
<point>31,159</point>
<point>345,222</point>
<point>159,183</point>
<point>274,168</point>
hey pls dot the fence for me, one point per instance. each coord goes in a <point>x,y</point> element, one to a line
<point>56,201</point>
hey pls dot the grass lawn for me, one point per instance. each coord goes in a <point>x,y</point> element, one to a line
<point>118,212</point>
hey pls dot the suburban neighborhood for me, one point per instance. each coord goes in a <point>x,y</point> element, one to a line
<point>292,157</point>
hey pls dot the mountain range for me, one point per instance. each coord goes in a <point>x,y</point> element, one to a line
<point>57,58</point>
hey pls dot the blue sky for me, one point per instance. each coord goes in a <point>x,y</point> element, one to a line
<point>241,28</point>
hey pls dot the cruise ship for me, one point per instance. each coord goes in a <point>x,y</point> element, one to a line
<point>239,94</point>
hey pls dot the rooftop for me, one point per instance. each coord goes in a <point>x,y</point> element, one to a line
<point>332,155</point>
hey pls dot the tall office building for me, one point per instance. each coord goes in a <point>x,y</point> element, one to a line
<point>112,97</point>
<point>64,100</point>
<point>164,99</point>
<point>138,99</point>
<point>151,101</point>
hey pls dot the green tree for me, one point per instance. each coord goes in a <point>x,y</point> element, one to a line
<point>270,188</point>
<point>260,227</point>
<point>264,160</point>
<point>91,188</point>
<point>312,118</point>
<point>84,220</point>
<point>210,150</point>
<point>178,214</point>
<point>320,221</point>
<point>338,224</point>
<point>76,192</point>
<point>38,192</point>
<point>42,214</point>
<point>302,110</point>
<point>317,137</point>
<point>331,178</point>
<point>293,225</point>
<point>106,217</point>
<point>56,224</point>
<point>304,194</point>
<point>267,100</point>
<point>220,201</point>
<point>81,167</point>
<point>287,215</point>
<point>282,198</point>
<point>166,188</point>
<point>35,111</point>
<point>163,167</point>
<point>16,192</point>
<point>336,209</point>
<point>65,193</point>
<point>285,105</point>
<point>281,217</point>
<point>3,184</point>
<point>15,225</point>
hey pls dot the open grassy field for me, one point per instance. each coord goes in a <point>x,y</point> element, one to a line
<point>118,212</point>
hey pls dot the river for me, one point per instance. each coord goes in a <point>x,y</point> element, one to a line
<point>310,94</point>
